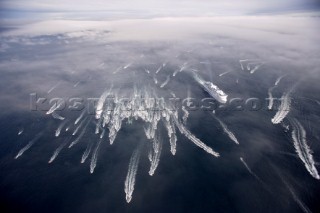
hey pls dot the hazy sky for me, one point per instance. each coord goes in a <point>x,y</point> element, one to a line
<point>155,7</point>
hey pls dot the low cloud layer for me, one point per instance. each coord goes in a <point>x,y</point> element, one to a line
<point>142,8</point>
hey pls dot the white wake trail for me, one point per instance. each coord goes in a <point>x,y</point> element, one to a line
<point>224,73</point>
<point>185,111</point>
<point>58,150</point>
<point>175,72</point>
<point>80,135</point>
<point>56,153</point>
<point>102,133</point>
<point>227,131</point>
<point>98,126</point>
<point>185,115</point>
<point>117,70</point>
<point>193,138</point>
<point>303,207</point>
<point>303,150</point>
<point>241,61</point>
<point>169,124</point>
<point>52,88</point>
<point>278,80</point>
<point>165,82</point>
<point>256,68</point>
<point>94,158</point>
<point>154,155</point>
<point>270,97</point>
<point>79,118</point>
<point>57,116</point>
<point>284,106</point>
<point>249,62</point>
<point>159,69</point>
<point>131,175</point>
<point>78,127</point>
<point>29,145</point>
<point>147,71</point>
<point>271,89</point>
<point>127,66</point>
<point>155,79</point>
<point>101,102</point>
<point>55,107</point>
<point>58,131</point>
<point>182,67</point>
<point>296,198</point>
<point>20,131</point>
<point>250,171</point>
<point>86,153</point>
<point>76,84</point>
<point>283,109</point>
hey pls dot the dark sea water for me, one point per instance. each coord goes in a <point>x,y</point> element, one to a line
<point>271,177</point>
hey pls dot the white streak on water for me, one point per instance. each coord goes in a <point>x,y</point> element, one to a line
<point>127,66</point>
<point>117,70</point>
<point>20,131</point>
<point>224,73</point>
<point>79,118</point>
<point>227,131</point>
<point>165,82</point>
<point>80,135</point>
<point>76,84</point>
<point>95,157</point>
<point>131,175</point>
<point>159,69</point>
<point>55,86</point>
<point>155,79</point>
<point>29,145</point>
<point>78,127</point>
<point>255,68</point>
<point>59,128</point>
<point>168,123</point>
<point>303,150</point>
<point>193,138</point>
<point>57,116</point>
<point>58,150</point>
<point>100,103</point>
<point>185,115</point>
<point>303,207</point>
<point>249,170</point>
<point>154,155</point>
<point>86,153</point>
<point>147,71</point>
<point>55,106</point>
<point>270,97</point>
<point>283,109</point>
<point>278,80</point>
